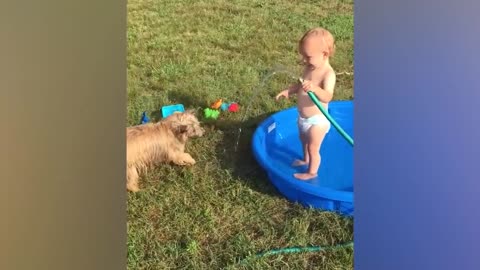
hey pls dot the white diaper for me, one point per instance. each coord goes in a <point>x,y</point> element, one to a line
<point>306,123</point>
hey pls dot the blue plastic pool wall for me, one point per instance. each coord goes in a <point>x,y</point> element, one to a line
<point>277,137</point>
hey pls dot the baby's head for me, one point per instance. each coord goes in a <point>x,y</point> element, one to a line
<point>316,46</point>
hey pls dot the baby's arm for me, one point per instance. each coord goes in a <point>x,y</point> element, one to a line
<point>293,89</point>
<point>325,94</point>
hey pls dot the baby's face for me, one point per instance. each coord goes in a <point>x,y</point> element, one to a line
<point>313,49</point>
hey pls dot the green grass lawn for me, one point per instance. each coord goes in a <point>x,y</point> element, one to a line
<point>224,208</point>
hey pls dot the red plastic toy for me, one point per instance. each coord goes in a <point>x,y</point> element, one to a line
<point>233,107</point>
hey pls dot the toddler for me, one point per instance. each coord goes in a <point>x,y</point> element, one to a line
<point>315,47</point>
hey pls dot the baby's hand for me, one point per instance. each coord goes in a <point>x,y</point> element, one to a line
<point>307,86</point>
<point>284,93</point>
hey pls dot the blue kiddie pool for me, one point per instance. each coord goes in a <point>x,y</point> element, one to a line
<point>276,144</point>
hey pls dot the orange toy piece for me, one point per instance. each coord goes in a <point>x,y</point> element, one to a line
<point>217,104</point>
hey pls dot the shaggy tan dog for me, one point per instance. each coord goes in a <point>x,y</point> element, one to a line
<point>151,144</point>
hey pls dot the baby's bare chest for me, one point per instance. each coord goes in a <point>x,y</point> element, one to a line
<point>315,79</point>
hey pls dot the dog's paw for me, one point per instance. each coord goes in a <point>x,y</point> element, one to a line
<point>133,188</point>
<point>190,161</point>
<point>185,160</point>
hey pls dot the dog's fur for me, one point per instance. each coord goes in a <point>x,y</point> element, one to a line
<point>151,144</point>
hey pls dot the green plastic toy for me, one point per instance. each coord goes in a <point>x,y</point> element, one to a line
<point>211,113</point>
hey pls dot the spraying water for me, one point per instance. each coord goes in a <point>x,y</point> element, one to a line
<point>276,70</point>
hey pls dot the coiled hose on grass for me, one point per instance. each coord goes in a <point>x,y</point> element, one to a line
<point>297,250</point>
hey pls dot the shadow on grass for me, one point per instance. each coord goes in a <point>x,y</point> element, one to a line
<point>242,162</point>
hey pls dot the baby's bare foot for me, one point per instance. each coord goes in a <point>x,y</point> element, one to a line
<point>304,176</point>
<point>299,162</point>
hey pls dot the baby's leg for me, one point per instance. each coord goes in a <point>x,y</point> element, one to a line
<point>316,134</point>
<point>306,157</point>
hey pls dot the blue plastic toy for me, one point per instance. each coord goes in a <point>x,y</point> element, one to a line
<point>276,144</point>
<point>170,109</point>
<point>224,106</point>
<point>145,118</point>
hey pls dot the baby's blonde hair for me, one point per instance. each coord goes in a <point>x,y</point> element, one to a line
<point>328,41</point>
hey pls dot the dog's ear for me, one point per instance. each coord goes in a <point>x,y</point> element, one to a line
<point>178,126</point>
<point>181,129</point>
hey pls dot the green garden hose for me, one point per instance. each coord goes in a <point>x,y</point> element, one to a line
<point>297,250</point>
<point>342,132</point>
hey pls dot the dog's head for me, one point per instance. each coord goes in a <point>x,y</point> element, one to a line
<point>185,125</point>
